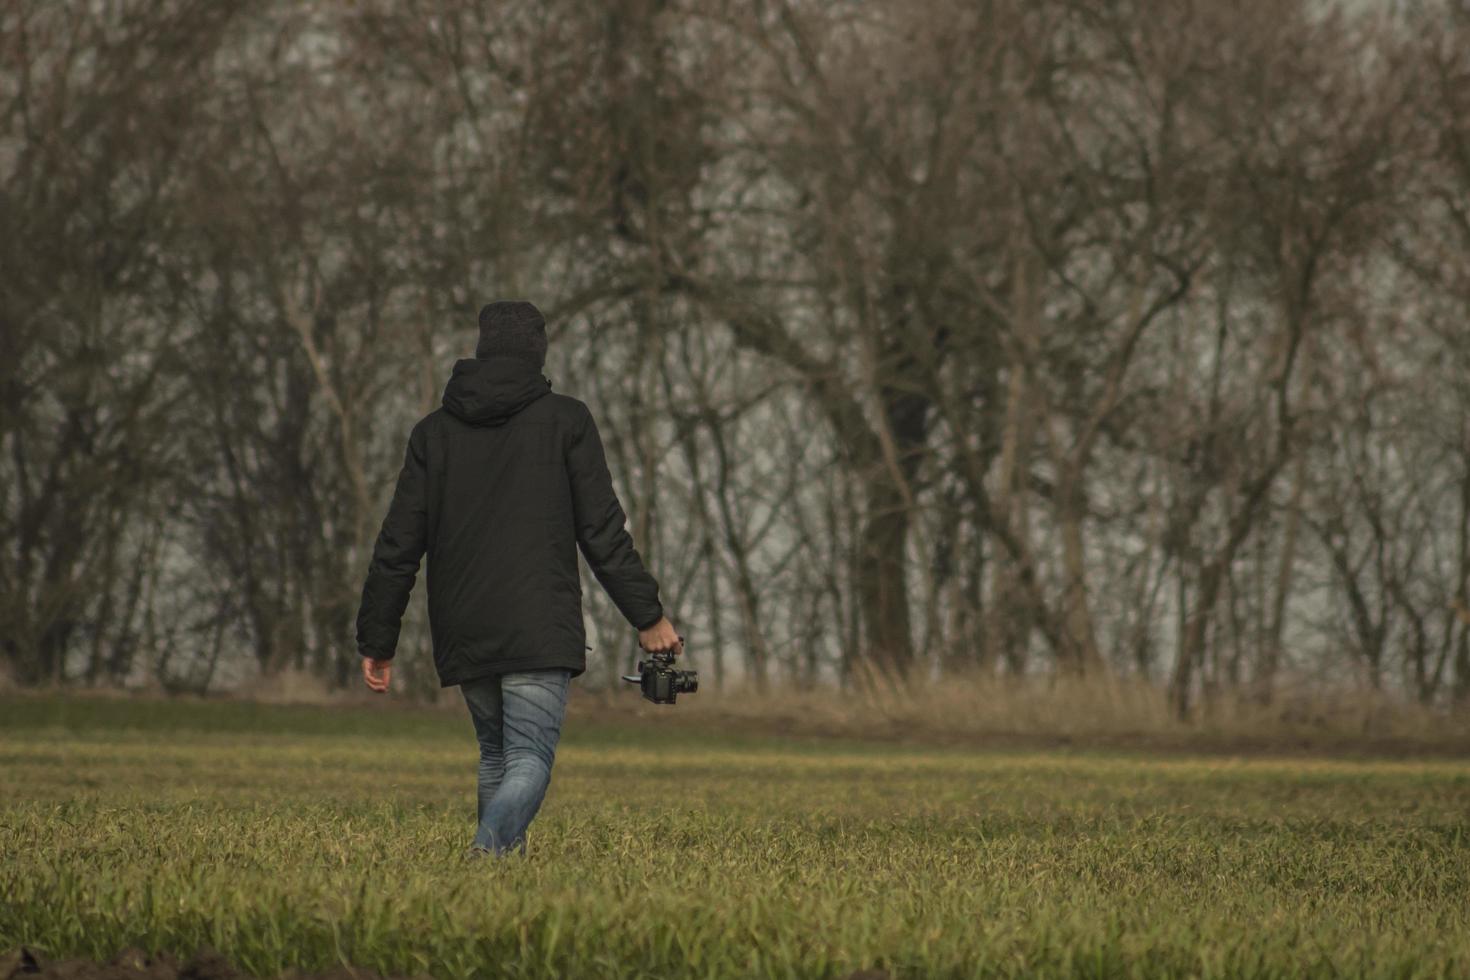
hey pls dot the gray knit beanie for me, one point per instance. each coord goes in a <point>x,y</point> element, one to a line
<point>514,328</point>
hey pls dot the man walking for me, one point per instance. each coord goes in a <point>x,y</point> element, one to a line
<point>501,486</point>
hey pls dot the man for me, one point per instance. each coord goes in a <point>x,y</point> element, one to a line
<point>501,486</point>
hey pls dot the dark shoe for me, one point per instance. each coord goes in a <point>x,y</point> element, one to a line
<point>478,853</point>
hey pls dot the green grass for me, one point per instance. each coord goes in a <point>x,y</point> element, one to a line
<point>302,836</point>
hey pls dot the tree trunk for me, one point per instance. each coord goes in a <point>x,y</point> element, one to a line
<point>882,584</point>
<point>1271,649</point>
<point>1082,649</point>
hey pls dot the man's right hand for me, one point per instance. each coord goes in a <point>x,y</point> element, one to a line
<point>377,673</point>
<point>661,636</point>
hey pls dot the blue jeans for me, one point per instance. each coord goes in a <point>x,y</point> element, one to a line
<point>517,720</point>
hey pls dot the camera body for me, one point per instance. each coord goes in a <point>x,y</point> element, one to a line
<point>659,681</point>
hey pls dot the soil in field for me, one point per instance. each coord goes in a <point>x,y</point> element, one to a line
<point>24,963</point>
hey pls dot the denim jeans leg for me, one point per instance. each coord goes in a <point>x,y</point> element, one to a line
<point>484,701</point>
<point>533,706</point>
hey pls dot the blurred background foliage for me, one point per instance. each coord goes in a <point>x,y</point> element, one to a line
<point>928,339</point>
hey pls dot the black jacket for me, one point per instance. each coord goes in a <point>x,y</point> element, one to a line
<point>501,486</point>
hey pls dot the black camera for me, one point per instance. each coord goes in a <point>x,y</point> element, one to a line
<point>660,682</point>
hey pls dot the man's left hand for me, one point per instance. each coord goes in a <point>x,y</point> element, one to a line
<point>376,673</point>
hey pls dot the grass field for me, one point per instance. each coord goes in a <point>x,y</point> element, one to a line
<point>298,836</point>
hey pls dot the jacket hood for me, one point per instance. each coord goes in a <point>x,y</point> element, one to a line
<point>490,391</point>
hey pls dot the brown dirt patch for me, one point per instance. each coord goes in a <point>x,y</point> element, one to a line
<point>25,963</point>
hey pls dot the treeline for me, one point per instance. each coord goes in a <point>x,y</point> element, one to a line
<point>932,336</point>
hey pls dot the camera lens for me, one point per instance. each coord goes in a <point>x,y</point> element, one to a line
<point>687,682</point>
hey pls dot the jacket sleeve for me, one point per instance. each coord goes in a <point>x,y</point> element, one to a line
<point>601,534</point>
<point>396,556</point>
